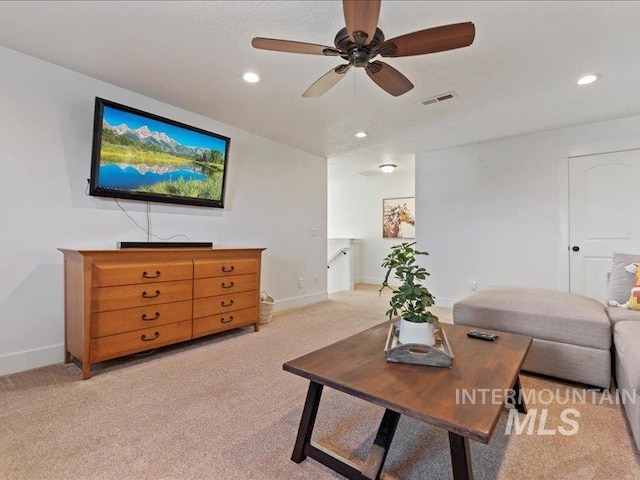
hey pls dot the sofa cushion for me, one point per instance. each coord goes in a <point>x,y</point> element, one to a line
<point>621,280</point>
<point>544,314</point>
<point>617,314</point>
<point>626,336</point>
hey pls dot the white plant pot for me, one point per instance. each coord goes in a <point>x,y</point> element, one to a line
<point>412,332</point>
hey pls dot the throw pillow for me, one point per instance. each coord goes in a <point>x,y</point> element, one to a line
<point>634,299</point>
<point>621,280</point>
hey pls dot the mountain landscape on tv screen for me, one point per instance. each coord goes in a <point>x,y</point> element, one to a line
<point>147,137</point>
<point>148,161</point>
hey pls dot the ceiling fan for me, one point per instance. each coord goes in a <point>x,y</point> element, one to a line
<point>361,41</point>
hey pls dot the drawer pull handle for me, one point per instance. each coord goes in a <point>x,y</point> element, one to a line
<point>226,304</point>
<point>153,295</point>
<point>224,285</point>
<point>225,270</point>
<point>145,339</point>
<point>146,275</point>
<point>230,319</point>
<point>148,319</point>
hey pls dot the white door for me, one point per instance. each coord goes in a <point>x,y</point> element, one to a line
<point>604,217</point>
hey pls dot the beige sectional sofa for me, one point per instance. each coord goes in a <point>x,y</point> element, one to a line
<point>571,333</point>
<point>626,338</point>
<point>574,337</point>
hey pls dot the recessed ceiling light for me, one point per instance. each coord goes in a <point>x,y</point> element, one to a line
<point>587,79</point>
<point>250,77</point>
<point>361,134</point>
<point>387,167</point>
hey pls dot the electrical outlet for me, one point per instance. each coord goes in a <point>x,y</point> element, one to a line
<point>315,232</point>
<point>474,285</point>
<point>316,280</point>
<point>300,283</point>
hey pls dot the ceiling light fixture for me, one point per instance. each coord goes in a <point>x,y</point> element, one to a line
<point>250,77</point>
<point>362,134</point>
<point>587,79</point>
<point>387,167</point>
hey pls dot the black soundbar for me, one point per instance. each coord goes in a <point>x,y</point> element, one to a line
<point>165,245</point>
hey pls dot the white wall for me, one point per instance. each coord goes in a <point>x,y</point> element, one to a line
<point>275,196</point>
<point>497,212</point>
<point>355,211</point>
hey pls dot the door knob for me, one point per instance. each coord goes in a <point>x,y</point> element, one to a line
<point>575,248</point>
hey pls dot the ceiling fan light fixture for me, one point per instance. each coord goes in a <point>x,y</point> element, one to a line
<point>387,167</point>
<point>361,134</point>
<point>250,77</point>
<point>589,78</point>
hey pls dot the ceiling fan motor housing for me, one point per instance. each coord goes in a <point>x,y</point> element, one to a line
<point>357,55</point>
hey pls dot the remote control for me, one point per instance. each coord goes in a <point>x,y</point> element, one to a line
<point>482,335</point>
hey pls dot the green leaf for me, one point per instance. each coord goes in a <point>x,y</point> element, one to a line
<point>411,298</point>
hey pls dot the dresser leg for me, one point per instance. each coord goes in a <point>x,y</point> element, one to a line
<point>67,356</point>
<point>86,370</point>
<point>256,327</point>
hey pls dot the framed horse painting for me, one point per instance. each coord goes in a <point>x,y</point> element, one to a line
<point>398,217</point>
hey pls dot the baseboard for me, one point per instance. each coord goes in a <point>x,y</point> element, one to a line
<point>445,302</point>
<point>287,304</point>
<point>377,281</point>
<point>40,357</point>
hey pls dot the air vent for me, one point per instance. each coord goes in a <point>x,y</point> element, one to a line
<point>371,173</point>
<point>438,98</point>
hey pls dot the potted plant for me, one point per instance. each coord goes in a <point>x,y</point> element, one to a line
<point>411,299</point>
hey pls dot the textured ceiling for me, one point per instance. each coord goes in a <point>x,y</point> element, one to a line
<point>518,76</point>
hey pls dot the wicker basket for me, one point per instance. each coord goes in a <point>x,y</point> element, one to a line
<point>266,307</point>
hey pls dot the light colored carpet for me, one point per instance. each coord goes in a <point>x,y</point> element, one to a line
<point>222,408</point>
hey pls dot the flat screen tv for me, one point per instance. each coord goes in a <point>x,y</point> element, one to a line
<point>141,156</point>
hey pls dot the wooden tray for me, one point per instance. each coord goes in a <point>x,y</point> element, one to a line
<point>438,355</point>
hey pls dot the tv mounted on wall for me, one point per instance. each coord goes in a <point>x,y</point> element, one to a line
<point>141,156</point>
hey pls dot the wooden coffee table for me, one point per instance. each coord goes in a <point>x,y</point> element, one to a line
<point>357,366</point>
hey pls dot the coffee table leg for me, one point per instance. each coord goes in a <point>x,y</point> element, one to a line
<point>378,451</point>
<point>460,457</point>
<point>307,421</point>
<point>518,399</point>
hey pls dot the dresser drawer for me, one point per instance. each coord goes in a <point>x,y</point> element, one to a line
<point>128,296</point>
<point>225,321</point>
<point>108,274</point>
<point>203,307</point>
<point>104,348</point>
<point>129,319</point>
<point>209,287</point>
<point>222,268</point>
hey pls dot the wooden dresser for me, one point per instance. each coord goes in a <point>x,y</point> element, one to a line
<point>119,302</point>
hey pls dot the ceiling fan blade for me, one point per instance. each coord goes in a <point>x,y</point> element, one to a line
<point>361,16</point>
<point>293,47</point>
<point>431,40</point>
<point>326,81</point>
<point>388,78</point>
